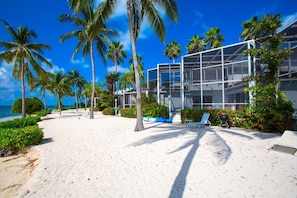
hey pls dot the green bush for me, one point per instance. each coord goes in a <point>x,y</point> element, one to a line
<point>128,112</point>
<point>18,138</point>
<point>20,122</point>
<point>108,111</point>
<point>155,110</point>
<point>33,105</point>
<point>43,113</point>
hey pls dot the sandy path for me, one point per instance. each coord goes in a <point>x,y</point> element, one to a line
<point>103,157</point>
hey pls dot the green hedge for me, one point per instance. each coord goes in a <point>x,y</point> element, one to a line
<point>14,139</point>
<point>128,112</point>
<point>108,111</point>
<point>20,122</point>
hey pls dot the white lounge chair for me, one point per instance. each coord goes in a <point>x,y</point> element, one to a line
<point>288,139</point>
<point>204,122</point>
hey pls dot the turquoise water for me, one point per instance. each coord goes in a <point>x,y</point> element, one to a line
<point>5,111</point>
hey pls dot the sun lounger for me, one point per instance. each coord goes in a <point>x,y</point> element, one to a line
<point>204,122</point>
<point>288,139</point>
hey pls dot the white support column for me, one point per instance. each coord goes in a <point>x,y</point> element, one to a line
<point>250,68</point>
<point>158,84</point>
<point>223,80</point>
<point>201,86</point>
<point>182,90</point>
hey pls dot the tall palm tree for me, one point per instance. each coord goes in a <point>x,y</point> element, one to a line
<point>42,84</point>
<point>214,38</point>
<point>59,85</point>
<point>172,50</point>
<point>92,33</point>
<point>250,28</point>
<point>25,55</point>
<point>136,11</point>
<point>196,44</point>
<point>116,53</point>
<point>77,82</point>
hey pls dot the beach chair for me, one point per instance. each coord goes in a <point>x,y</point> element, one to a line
<point>204,122</point>
<point>288,139</point>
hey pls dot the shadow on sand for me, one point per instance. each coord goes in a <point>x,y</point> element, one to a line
<point>221,150</point>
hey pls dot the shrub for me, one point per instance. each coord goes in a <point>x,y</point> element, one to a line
<point>32,105</point>
<point>128,112</point>
<point>43,113</point>
<point>155,110</point>
<point>11,140</point>
<point>108,111</point>
<point>20,122</point>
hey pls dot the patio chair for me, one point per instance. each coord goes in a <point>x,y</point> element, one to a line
<point>288,139</point>
<point>204,122</point>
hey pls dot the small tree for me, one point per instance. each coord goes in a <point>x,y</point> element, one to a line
<point>33,105</point>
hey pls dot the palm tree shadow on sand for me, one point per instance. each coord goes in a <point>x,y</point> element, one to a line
<point>221,150</point>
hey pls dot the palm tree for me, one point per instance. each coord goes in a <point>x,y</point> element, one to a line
<point>41,83</point>
<point>250,27</point>
<point>172,51</point>
<point>140,68</point>
<point>116,53</point>
<point>196,44</point>
<point>214,38</point>
<point>136,11</point>
<point>92,32</point>
<point>59,86</point>
<point>77,82</point>
<point>24,54</point>
<point>110,80</point>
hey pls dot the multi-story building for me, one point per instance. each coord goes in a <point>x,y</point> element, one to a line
<point>213,78</point>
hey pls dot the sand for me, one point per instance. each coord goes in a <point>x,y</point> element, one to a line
<point>104,157</point>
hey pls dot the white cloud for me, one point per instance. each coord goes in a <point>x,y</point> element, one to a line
<point>119,69</point>
<point>54,69</point>
<point>81,62</point>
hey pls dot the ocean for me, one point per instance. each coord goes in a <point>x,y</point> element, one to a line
<point>5,113</point>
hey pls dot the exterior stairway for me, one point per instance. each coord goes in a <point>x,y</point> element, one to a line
<point>176,117</point>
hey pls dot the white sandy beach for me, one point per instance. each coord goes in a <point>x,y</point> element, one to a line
<point>104,157</point>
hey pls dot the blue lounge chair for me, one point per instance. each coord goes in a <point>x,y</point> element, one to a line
<point>204,122</point>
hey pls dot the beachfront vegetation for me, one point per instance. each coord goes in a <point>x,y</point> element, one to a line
<point>25,57</point>
<point>136,12</point>
<point>33,105</point>
<point>18,134</point>
<point>77,82</point>
<point>92,32</point>
<point>172,50</point>
<point>59,85</point>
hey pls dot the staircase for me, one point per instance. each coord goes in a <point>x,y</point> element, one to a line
<point>176,117</point>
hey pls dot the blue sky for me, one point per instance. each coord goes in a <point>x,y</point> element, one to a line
<point>195,17</point>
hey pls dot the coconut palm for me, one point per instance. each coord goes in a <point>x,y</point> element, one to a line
<point>140,68</point>
<point>250,27</point>
<point>25,56</point>
<point>214,38</point>
<point>116,53</point>
<point>59,86</point>
<point>136,11</point>
<point>110,80</point>
<point>77,82</point>
<point>172,51</point>
<point>196,44</point>
<point>92,33</point>
<point>42,84</point>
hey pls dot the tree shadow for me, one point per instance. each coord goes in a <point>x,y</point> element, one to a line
<point>175,131</point>
<point>46,140</point>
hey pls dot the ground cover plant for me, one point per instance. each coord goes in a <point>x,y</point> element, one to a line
<point>20,133</point>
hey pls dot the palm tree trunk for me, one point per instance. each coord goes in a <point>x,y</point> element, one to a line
<point>23,89</point>
<point>76,99</point>
<point>59,103</point>
<point>44,101</point>
<point>139,123</point>
<point>93,81</point>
